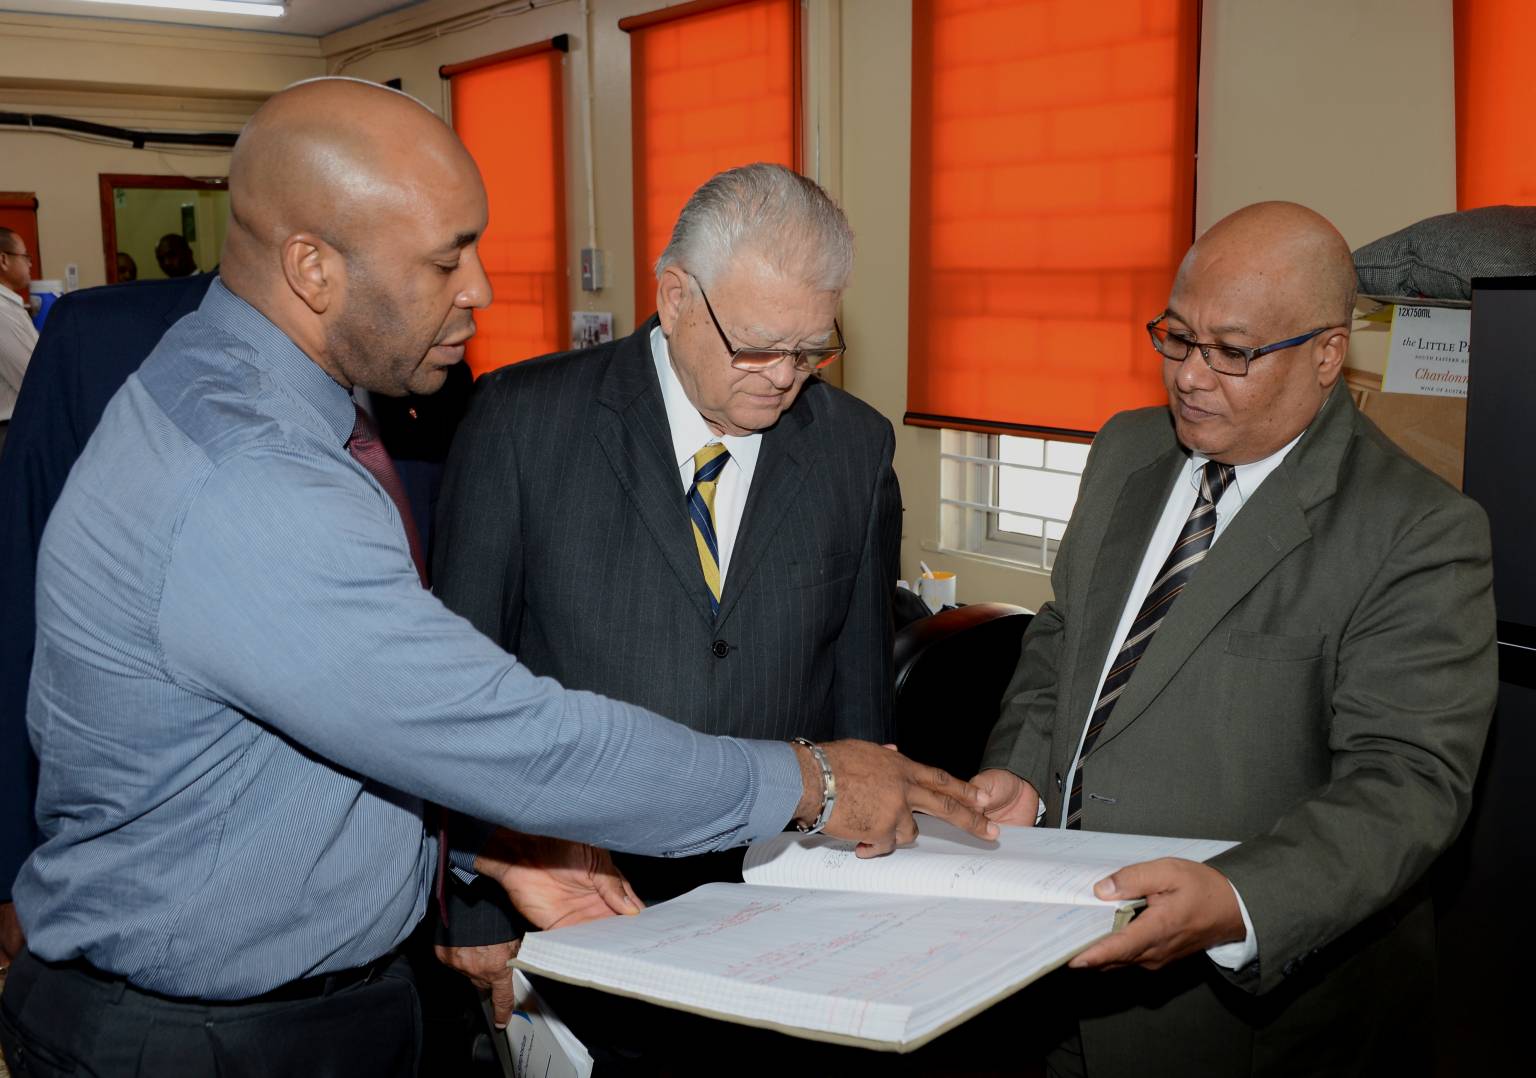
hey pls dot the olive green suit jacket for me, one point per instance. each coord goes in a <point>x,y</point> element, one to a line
<point>1320,692</point>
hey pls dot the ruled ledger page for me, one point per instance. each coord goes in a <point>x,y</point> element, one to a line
<point>1037,863</point>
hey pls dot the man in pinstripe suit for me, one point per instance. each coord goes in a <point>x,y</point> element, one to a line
<point>565,530</point>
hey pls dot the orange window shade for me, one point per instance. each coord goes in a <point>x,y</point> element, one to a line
<point>1495,97</point>
<point>713,86</point>
<point>510,115</point>
<point>1052,197</point>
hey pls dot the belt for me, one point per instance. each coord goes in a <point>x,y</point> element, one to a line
<point>321,984</point>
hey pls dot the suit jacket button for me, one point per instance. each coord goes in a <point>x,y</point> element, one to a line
<point>720,648</point>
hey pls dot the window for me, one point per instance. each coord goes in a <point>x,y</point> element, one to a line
<point>508,110</point>
<point>714,85</point>
<point>1005,497</point>
<point>1052,197</point>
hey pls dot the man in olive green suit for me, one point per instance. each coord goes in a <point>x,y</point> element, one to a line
<point>1310,673</point>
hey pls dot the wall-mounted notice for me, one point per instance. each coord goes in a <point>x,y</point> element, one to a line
<point>589,328</point>
<point>1429,351</point>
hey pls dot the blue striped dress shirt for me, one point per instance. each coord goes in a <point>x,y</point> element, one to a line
<point>242,695</point>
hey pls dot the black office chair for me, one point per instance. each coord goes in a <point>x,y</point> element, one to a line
<point>951,671</point>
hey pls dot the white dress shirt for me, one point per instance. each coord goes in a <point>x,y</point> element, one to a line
<point>17,339</point>
<point>1176,511</point>
<point>689,435</point>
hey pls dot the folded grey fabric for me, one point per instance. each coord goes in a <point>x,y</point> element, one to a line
<point>1438,257</point>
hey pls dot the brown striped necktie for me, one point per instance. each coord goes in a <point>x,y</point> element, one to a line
<point>1187,553</point>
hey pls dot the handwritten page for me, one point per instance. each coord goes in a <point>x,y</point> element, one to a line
<point>887,968</point>
<point>1037,864</point>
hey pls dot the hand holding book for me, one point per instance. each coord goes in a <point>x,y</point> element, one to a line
<point>1191,907</point>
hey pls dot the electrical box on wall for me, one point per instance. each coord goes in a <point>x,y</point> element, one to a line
<point>591,269</point>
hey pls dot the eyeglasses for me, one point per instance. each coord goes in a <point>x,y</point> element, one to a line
<point>18,254</point>
<point>1230,359</point>
<point>760,359</point>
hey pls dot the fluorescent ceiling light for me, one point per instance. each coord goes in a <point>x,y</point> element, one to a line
<point>271,8</point>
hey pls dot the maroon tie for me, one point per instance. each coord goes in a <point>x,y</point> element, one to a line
<point>365,447</point>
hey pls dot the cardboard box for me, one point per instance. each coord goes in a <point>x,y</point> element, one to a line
<point>1431,430</point>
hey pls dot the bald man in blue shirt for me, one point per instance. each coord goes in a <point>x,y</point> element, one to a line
<point>242,695</point>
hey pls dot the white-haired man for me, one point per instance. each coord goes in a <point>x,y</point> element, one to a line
<point>688,518</point>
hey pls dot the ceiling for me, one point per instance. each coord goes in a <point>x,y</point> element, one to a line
<point>312,18</point>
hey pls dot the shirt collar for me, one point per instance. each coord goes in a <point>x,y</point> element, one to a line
<point>275,351</point>
<point>14,297</point>
<point>1248,476</point>
<point>689,431</point>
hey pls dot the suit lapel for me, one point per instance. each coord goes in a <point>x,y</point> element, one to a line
<point>1267,529</point>
<point>1137,508</point>
<point>637,442</point>
<point>781,470</point>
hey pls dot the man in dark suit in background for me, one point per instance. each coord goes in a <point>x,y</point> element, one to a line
<point>689,518</point>
<point>1311,672</point>
<point>174,255</point>
<point>92,342</point>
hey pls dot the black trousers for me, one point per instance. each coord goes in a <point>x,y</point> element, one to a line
<point>64,1020</point>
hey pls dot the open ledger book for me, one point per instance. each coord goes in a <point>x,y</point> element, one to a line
<point>886,953</point>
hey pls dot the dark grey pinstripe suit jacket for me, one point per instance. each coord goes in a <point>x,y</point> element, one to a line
<point>563,534</point>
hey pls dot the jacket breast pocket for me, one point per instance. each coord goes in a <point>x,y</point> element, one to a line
<point>826,570</point>
<point>1273,647</point>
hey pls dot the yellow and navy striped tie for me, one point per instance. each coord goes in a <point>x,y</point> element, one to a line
<point>708,463</point>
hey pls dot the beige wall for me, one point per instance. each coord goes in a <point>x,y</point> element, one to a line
<point>63,175</point>
<point>1345,106</point>
<point>130,75</point>
<point>63,52</point>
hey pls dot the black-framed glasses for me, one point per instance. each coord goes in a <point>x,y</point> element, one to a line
<point>1230,359</point>
<point>18,254</point>
<point>760,359</point>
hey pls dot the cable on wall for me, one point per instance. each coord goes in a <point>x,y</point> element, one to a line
<point>138,140</point>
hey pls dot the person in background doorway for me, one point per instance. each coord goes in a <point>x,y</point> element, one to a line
<point>17,334</point>
<point>174,255</point>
